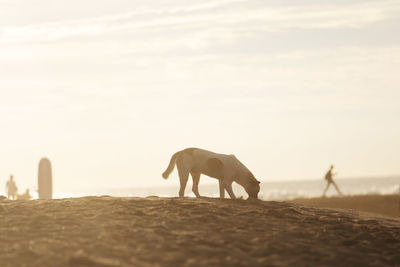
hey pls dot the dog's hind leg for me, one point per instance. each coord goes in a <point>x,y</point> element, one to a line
<point>196,180</point>
<point>183,178</point>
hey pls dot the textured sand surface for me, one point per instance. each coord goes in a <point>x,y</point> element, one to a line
<point>388,205</point>
<point>106,231</point>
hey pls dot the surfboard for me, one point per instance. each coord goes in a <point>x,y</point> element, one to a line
<point>45,179</point>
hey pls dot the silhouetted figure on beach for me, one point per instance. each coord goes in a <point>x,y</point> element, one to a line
<point>25,195</point>
<point>11,188</point>
<point>329,179</point>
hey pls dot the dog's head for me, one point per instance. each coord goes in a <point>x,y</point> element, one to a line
<point>253,189</point>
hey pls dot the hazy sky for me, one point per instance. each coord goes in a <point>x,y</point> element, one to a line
<point>108,90</point>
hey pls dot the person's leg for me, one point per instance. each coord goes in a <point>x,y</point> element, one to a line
<point>337,188</point>
<point>326,188</point>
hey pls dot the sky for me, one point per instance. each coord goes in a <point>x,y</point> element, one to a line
<point>109,90</point>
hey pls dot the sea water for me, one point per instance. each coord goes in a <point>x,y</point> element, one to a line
<point>284,190</point>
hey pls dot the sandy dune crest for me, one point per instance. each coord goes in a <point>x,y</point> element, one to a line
<point>388,205</point>
<point>107,231</point>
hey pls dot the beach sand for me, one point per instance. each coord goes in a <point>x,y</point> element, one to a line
<point>388,205</point>
<point>108,231</point>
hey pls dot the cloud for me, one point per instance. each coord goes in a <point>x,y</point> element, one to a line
<point>138,19</point>
<point>228,15</point>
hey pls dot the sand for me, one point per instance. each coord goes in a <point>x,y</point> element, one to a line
<point>107,231</point>
<point>388,205</point>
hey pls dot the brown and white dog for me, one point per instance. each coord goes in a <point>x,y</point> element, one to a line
<point>226,168</point>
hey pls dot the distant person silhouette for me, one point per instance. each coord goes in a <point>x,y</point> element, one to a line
<point>25,195</point>
<point>11,188</point>
<point>329,179</point>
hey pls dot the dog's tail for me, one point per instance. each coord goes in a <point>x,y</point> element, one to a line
<point>171,165</point>
<point>187,151</point>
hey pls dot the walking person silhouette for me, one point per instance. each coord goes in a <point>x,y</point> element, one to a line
<point>329,179</point>
<point>11,188</point>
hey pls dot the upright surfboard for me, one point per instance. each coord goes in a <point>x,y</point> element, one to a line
<point>45,179</point>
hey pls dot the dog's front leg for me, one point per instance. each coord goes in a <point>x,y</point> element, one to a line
<point>228,187</point>
<point>221,188</point>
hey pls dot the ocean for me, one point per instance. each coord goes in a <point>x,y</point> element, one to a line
<point>284,190</point>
